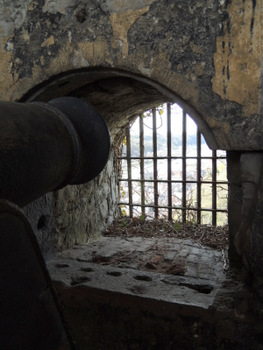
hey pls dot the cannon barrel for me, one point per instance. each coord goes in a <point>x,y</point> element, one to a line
<point>45,146</point>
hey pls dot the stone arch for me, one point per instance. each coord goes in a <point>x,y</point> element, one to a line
<point>118,94</point>
<point>192,49</point>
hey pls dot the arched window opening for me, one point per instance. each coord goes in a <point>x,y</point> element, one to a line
<point>169,172</point>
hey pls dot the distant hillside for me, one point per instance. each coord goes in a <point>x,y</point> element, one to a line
<point>161,144</point>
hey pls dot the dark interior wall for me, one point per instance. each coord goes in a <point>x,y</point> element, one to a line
<point>118,96</point>
<point>234,201</point>
<point>75,213</point>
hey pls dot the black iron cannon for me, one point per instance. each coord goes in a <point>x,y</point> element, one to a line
<point>43,147</point>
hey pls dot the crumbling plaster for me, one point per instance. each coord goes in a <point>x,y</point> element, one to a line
<point>208,53</point>
<point>238,56</point>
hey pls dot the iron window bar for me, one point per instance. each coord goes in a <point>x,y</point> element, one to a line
<point>129,170</point>
<point>175,207</point>
<point>142,158</point>
<point>155,169</point>
<point>177,181</point>
<point>172,157</point>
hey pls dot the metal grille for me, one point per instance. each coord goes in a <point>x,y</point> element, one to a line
<point>166,174</point>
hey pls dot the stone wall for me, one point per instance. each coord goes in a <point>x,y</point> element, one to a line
<point>206,53</point>
<point>76,213</point>
<point>123,56</point>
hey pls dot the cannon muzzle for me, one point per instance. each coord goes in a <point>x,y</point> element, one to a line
<point>45,146</point>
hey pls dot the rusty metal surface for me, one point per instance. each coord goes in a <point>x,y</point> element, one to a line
<point>198,176</point>
<point>129,169</point>
<point>169,161</point>
<point>155,171</point>
<point>142,172</point>
<point>184,137</point>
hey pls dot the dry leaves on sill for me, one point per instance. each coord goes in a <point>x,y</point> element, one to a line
<point>207,235</point>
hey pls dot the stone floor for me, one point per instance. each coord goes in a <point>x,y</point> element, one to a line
<point>151,293</point>
<point>168,269</point>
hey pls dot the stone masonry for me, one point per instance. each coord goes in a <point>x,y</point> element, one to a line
<point>125,56</point>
